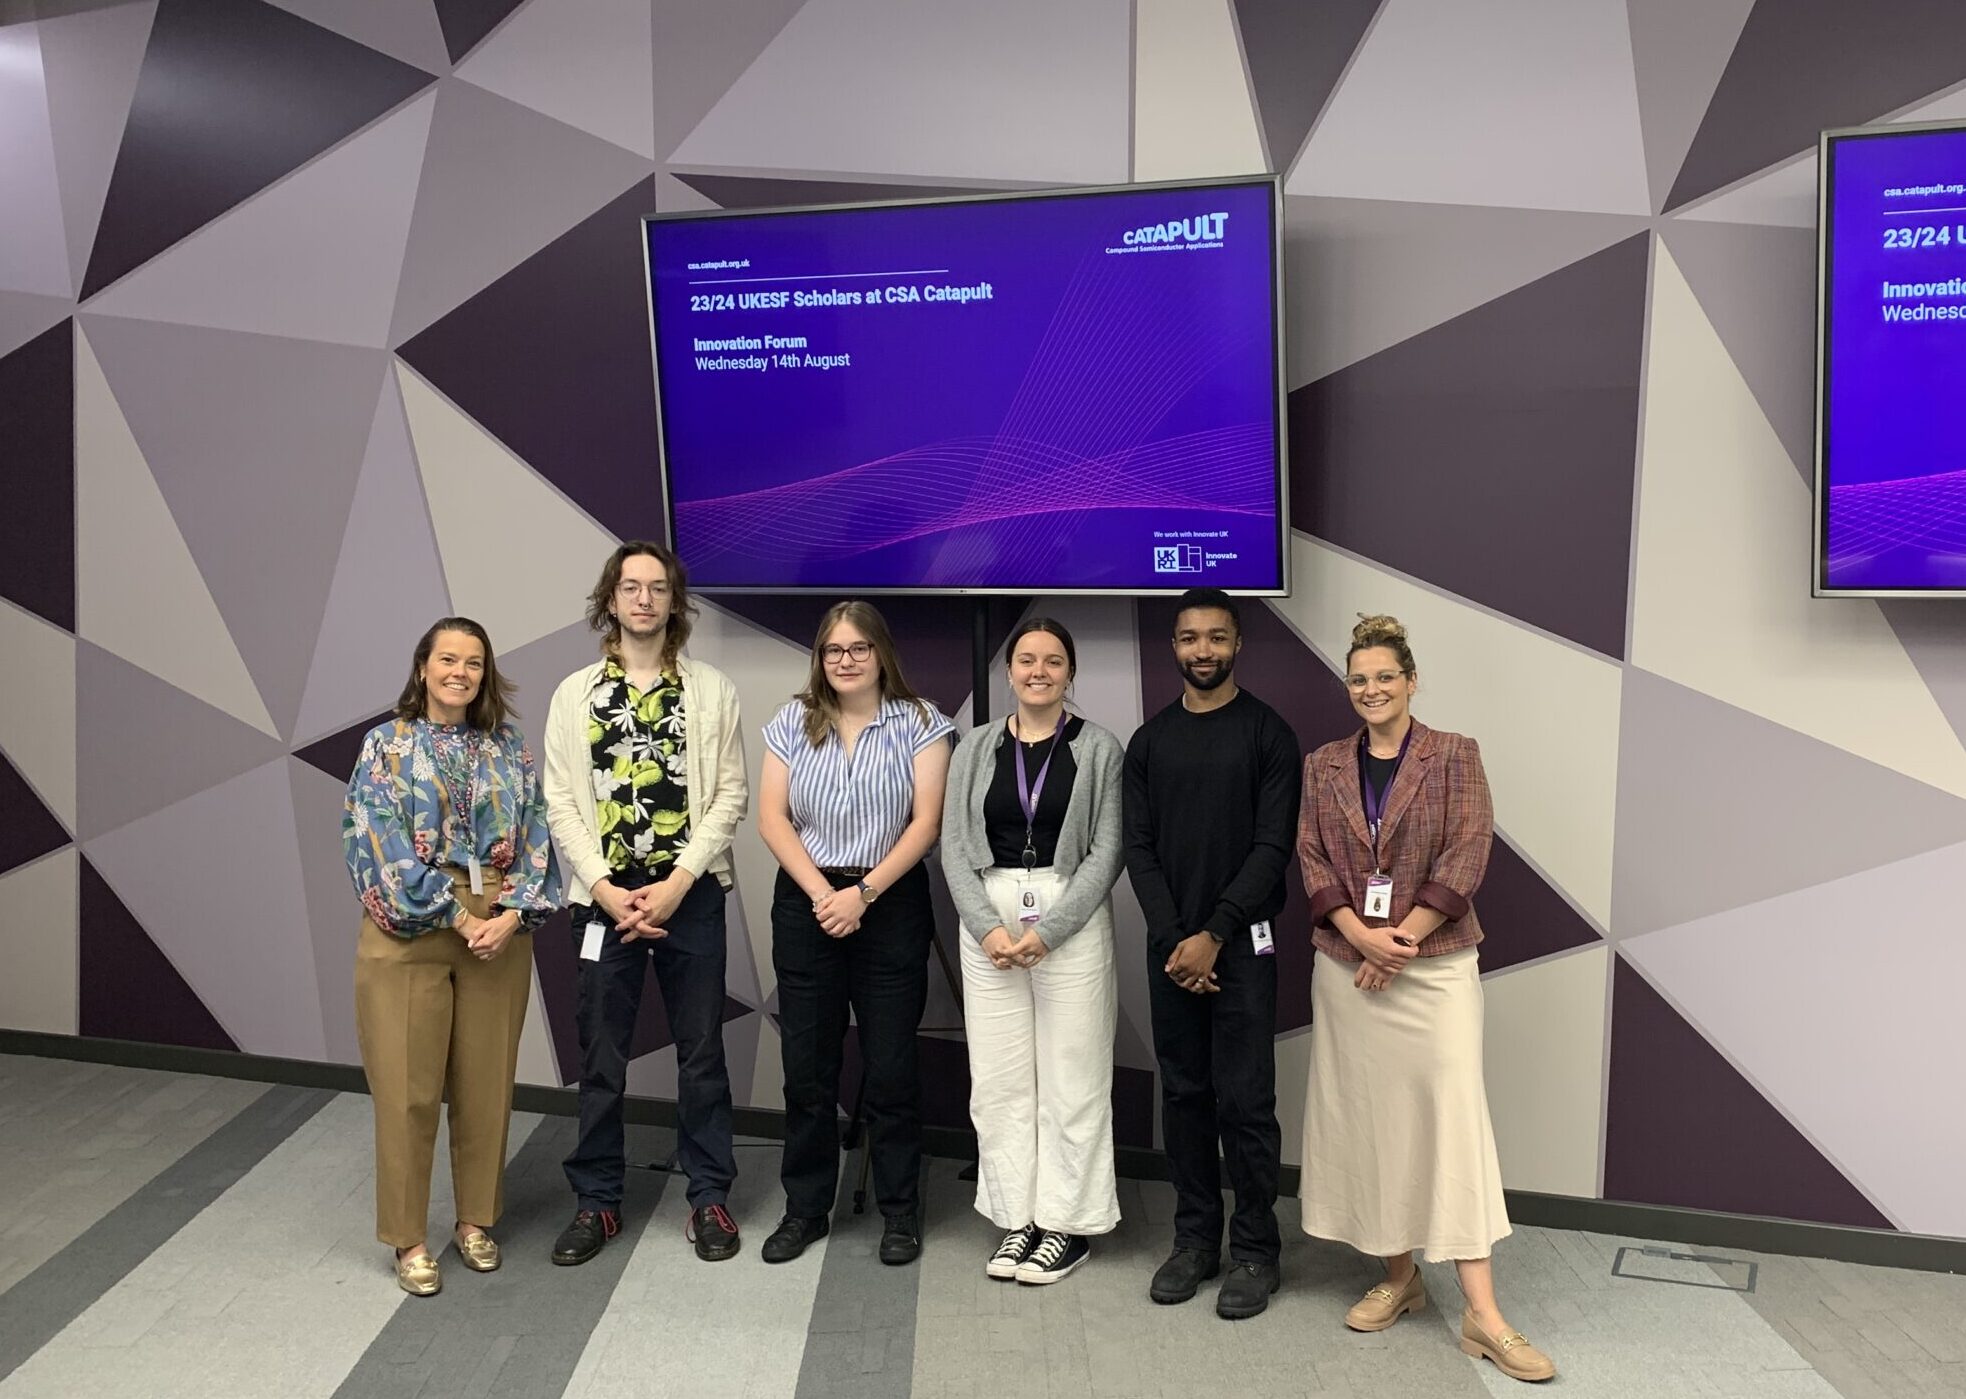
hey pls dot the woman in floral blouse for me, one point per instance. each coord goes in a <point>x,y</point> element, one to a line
<point>446,839</point>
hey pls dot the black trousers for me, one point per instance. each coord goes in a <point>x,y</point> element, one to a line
<point>1218,1077</point>
<point>689,970</point>
<point>880,971</point>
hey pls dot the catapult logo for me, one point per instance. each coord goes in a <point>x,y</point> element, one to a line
<point>1195,231</point>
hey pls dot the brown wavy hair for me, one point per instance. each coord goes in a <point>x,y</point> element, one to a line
<point>491,706</point>
<point>1381,630</point>
<point>821,702</point>
<point>682,611</point>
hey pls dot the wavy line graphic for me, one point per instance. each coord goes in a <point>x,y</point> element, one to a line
<point>1871,518</point>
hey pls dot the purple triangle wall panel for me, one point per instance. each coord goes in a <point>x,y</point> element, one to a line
<point>1295,54</point>
<point>553,358</point>
<point>272,92</point>
<point>1684,1127</point>
<point>28,830</point>
<point>130,990</point>
<point>466,22</point>
<point>37,529</point>
<point>1493,455</point>
<point>1801,66</point>
<point>336,754</point>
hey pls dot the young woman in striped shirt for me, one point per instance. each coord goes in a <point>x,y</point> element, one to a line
<point>849,803</point>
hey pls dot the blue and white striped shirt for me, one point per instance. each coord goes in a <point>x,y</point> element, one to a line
<point>849,812</point>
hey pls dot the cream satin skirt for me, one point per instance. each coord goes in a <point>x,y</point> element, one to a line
<point>1399,1153</point>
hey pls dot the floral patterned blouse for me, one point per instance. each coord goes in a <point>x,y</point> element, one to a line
<point>641,786</point>
<point>425,796</point>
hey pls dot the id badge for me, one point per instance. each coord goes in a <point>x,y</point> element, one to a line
<point>477,876</point>
<point>1260,939</point>
<point>1030,905</point>
<point>1378,896</point>
<point>590,942</point>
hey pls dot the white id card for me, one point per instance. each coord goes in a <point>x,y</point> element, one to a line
<point>1260,939</point>
<point>1378,896</point>
<point>477,876</point>
<point>1030,905</point>
<point>590,943</point>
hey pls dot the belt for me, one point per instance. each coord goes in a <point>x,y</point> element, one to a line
<point>846,871</point>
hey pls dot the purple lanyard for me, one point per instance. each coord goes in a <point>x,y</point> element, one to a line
<point>1028,792</point>
<point>1375,802</point>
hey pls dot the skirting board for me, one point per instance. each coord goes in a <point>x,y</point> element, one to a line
<point>1667,1223</point>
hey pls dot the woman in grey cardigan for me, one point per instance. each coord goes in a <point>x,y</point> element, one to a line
<point>1031,845</point>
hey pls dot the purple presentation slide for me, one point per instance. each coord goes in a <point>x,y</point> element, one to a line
<point>1063,392</point>
<point>1894,429</point>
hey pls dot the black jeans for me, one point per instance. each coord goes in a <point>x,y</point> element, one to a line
<point>689,969</point>
<point>881,971</point>
<point>1218,1076</point>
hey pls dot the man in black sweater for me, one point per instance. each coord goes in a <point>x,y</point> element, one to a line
<point>1210,803</point>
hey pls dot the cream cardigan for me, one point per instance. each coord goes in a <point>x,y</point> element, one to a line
<point>713,766</point>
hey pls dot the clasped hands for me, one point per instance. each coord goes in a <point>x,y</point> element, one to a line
<point>486,937</point>
<point>644,912</point>
<point>1191,966</point>
<point>1386,950</point>
<point>839,912</point>
<point>1006,952</point>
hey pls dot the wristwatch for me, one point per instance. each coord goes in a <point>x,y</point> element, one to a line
<point>868,893</point>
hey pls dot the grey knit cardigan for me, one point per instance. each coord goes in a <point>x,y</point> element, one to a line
<point>1090,847</point>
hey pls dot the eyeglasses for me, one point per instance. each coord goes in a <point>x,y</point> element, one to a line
<point>627,589</point>
<point>1383,678</point>
<point>833,655</point>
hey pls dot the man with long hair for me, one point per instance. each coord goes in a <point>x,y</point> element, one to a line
<point>645,786</point>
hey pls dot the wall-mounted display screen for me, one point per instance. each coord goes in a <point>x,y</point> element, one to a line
<point>1891,386</point>
<point>1073,391</point>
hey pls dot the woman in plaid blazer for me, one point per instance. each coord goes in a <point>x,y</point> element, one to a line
<point>1393,837</point>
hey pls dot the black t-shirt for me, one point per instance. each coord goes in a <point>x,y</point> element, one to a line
<point>1375,775</point>
<point>1003,814</point>
<point>1210,804</point>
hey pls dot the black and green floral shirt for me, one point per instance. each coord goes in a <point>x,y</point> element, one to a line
<point>641,789</point>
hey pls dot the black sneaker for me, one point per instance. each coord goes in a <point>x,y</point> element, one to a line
<point>713,1232</point>
<point>1014,1249</point>
<point>1246,1290</point>
<point>901,1240</point>
<point>1182,1275</point>
<point>583,1238</point>
<point>792,1237</point>
<point>1056,1256</point>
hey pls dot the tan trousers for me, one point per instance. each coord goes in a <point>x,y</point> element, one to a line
<point>435,1023</point>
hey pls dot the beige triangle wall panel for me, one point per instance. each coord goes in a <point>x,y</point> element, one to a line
<point>41,990</point>
<point>1552,768</point>
<point>1721,598</point>
<point>1193,113</point>
<point>518,556</point>
<point>1543,1053</point>
<point>37,707</point>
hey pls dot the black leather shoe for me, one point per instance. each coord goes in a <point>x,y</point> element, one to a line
<point>583,1238</point>
<point>713,1232</point>
<point>901,1240</point>
<point>1246,1290</point>
<point>792,1237</point>
<point>1185,1270</point>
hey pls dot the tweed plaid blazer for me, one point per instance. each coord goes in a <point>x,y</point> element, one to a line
<point>1433,841</point>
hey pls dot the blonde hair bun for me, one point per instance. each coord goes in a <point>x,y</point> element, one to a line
<point>1378,630</point>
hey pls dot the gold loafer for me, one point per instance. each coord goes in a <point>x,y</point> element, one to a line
<point>1510,1351</point>
<point>417,1274</point>
<point>478,1250</point>
<point>1382,1306</point>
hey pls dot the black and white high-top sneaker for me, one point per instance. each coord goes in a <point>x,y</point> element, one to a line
<point>1055,1257</point>
<point>1014,1249</point>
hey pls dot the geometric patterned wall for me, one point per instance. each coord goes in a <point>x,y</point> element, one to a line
<point>357,338</point>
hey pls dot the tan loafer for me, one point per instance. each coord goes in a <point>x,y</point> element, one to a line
<point>478,1250</point>
<point>1511,1351</point>
<point>1384,1304</point>
<point>417,1274</point>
